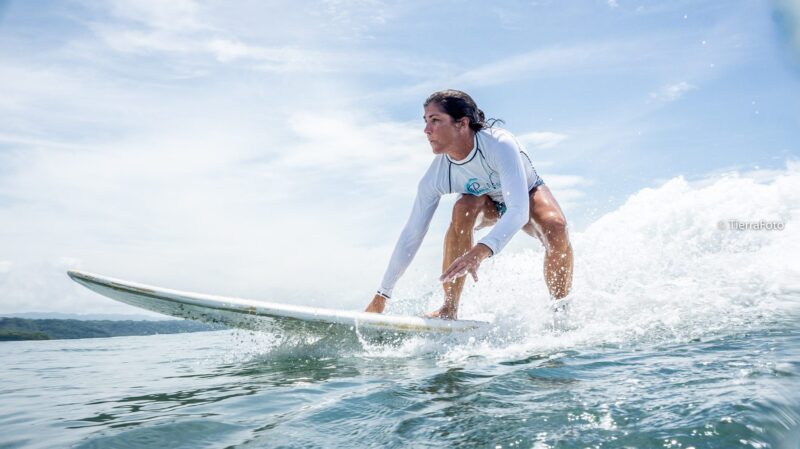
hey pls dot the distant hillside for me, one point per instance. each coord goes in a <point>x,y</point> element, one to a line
<point>86,316</point>
<point>12,329</point>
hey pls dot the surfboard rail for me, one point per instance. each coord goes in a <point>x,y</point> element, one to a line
<point>257,315</point>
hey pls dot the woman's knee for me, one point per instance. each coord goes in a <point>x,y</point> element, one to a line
<point>467,208</point>
<point>554,231</point>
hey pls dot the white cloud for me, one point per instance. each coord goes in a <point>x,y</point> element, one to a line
<point>541,62</point>
<point>128,40</point>
<point>568,189</point>
<point>338,140</point>
<point>567,181</point>
<point>554,60</point>
<point>672,92</point>
<point>183,213</point>
<point>229,50</point>
<point>202,34</point>
<point>285,59</point>
<point>197,48</point>
<point>613,3</point>
<point>541,140</point>
<point>549,60</point>
<point>654,53</point>
<point>357,15</point>
<point>243,207</point>
<point>151,25</point>
<point>174,15</point>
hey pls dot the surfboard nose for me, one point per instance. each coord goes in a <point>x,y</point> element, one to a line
<point>76,275</point>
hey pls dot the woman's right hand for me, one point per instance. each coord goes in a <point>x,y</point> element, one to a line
<point>377,305</point>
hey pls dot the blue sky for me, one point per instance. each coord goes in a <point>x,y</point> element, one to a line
<point>271,149</point>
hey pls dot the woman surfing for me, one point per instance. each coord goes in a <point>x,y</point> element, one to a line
<point>497,186</point>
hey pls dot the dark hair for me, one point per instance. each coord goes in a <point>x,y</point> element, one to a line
<point>458,104</point>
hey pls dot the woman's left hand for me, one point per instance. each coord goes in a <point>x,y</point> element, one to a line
<point>468,263</point>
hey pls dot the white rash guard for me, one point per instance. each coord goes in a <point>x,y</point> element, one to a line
<point>497,166</point>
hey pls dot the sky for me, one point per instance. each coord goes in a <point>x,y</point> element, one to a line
<point>272,149</point>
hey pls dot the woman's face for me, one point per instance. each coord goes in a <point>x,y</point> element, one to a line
<point>442,131</point>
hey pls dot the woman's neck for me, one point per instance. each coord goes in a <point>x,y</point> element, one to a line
<point>462,148</point>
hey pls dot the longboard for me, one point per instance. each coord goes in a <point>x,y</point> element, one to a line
<point>260,315</point>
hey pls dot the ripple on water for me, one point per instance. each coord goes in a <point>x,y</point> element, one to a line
<point>174,435</point>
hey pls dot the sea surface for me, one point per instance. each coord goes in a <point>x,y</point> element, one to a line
<point>729,390</point>
<point>683,332</point>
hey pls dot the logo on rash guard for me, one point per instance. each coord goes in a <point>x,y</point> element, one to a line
<point>473,187</point>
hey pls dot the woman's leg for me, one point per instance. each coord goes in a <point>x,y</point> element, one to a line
<point>548,223</point>
<point>468,211</point>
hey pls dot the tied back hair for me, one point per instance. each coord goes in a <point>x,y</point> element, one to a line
<point>458,104</point>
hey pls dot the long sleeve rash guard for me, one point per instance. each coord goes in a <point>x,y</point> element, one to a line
<point>497,166</point>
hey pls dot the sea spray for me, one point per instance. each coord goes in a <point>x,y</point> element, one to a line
<point>660,268</point>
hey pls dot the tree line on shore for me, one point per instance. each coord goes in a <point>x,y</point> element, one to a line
<point>15,329</point>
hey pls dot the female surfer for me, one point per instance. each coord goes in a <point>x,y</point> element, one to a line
<point>497,185</point>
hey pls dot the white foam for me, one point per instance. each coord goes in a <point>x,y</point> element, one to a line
<point>663,267</point>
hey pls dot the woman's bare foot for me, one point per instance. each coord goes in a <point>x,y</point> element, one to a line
<point>444,313</point>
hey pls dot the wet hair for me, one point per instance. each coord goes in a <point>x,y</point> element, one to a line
<point>458,104</point>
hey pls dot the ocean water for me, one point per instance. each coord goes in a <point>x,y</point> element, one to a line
<point>684,332</point>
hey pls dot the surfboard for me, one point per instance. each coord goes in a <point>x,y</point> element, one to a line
<point>260,315</point>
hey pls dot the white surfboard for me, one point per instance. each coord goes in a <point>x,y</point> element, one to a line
<point>259,315</point>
